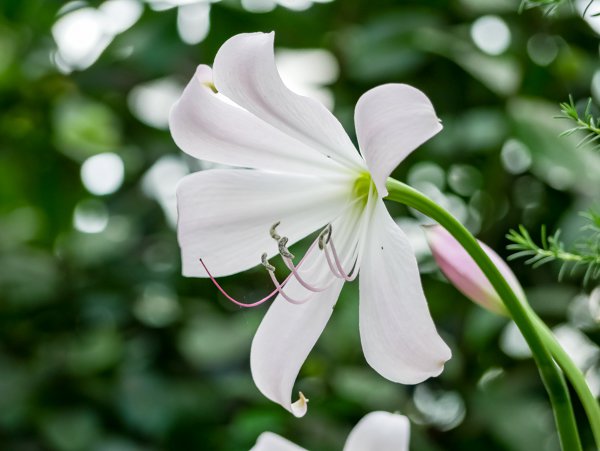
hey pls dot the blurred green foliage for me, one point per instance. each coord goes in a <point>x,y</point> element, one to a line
<point>105,347</point>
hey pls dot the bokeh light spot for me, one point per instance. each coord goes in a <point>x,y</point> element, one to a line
<point>157,307</point>
<point>491,34</point>
<point>103,173</point>
<point>542,49</point>
<point>151,102</point>
<point>515,156</point>
<point>90,216</point>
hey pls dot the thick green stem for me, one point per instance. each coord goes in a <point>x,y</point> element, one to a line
<point>551,376</point>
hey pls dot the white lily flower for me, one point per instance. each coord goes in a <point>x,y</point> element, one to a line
<point>376,431</point>
<point>305,175</point>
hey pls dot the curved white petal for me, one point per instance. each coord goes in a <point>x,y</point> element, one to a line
<point>225,215</point>
<point>268,441</point>
<point>391,121</point>
<point>288,332</point>
<point>379,431</point>
<point>245,71</point>
<point>286,336</point>
<point>397,333</point>
<point>209,127</point>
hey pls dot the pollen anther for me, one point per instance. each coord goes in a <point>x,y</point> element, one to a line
<point>283,250</point>
<point>273,231</point>
<point>266,264</point>
<point>324,236</point>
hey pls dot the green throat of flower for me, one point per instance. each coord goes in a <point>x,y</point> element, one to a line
<point>362,185</point>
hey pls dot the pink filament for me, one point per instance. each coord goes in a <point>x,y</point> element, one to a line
<point>235,301</point>
<point>290,264</point>
<point>331,265</point>
<point>338,263</point>
<point>279,288</point>
<point>339,273</point>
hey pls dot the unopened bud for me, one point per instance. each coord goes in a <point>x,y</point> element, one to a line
<point>462,271</point>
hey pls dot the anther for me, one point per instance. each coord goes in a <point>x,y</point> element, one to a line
<point>273,231</point>
<point>266,264</point>
<point>324,236</point>
<point>300,407</point>
<point>283,250</point>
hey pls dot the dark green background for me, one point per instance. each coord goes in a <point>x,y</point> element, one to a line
<point>87,364</point>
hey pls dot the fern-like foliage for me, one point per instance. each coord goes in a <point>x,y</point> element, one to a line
<point>585,122</point>
<point>586,254</point>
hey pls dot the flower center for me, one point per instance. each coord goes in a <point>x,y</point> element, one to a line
<point>362,185</point>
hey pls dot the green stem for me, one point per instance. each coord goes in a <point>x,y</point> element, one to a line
<point>551,376</point>
<point>588,400</point>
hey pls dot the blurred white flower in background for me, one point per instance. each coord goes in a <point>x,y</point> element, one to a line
<point>594,304</point>
<point>82,32</point>
<point>160,183</point>
<point>150,102</point>
<point>307,71</point>
<point>589,11</point>
<point>264,6</point>
<point>193,17</point>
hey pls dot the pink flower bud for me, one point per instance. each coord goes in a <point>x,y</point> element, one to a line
<point>460,269</point>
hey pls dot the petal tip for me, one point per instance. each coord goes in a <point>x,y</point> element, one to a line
<point>300,407</point>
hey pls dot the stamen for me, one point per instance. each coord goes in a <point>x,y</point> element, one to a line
<point>290,264</point>
<point>338,263</point>
<point>266,264</point>
<point>273,231</point>
<point>300,407</point>
<point>331,265</point>
<point>324,236</point>
<point>235,301</point>
<point>271,269</point>
<point>279,288</point>
<point>287,258</point>
<point>337,270</point>
<point>283,250</point>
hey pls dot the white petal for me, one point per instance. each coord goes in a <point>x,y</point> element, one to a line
<point>225,215</point>
<point>245,71</point>
<point>209,127</point>
<point>268,441</point>
<point>391,121</point>
<point>288,332</point>
<point>397,333</point>
<point>379,431</point>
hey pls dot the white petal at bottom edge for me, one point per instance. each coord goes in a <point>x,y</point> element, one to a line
<point>225,215</point>
<point>286,336</point>
<point>288,332</point>
<point>379,431</point>
<point>397,334</point>
<point>268,441</point>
